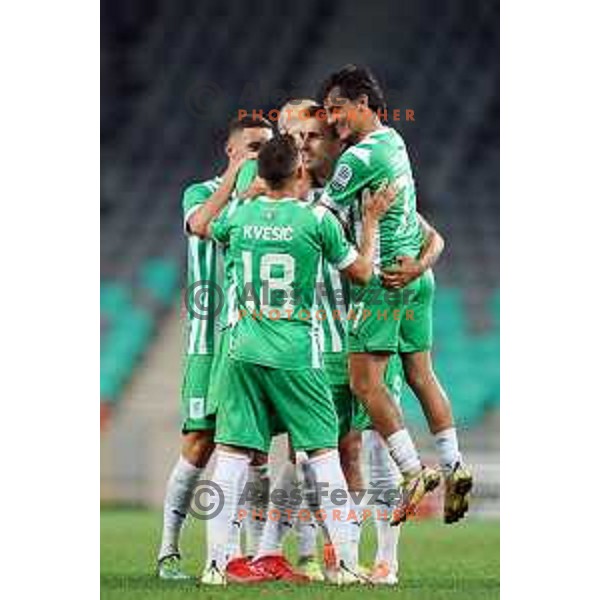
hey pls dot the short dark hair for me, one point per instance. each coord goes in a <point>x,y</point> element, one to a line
<point>278,160</point>
<point>354,81</point>
<point>247,122</point>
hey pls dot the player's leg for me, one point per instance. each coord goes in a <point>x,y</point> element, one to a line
<point>257,504</point>
<point>421,378</point>
<point>229,477</point>
<point>303,400</point>
<point>196,448</point>
<point>307,524</point>
<point>349,446</point>
<point>373,338</point>
<point>416,337</point>
<point>350,452</point>
<point>242,427</point>
<point>282,513</point>
<point>384,476</point>
<point>276,529</point>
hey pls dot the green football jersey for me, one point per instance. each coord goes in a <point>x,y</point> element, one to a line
<point>248,171</point>
<point>333,291</point>
<point>276,248</point>
<point>379,158</point>
<point>203,275</point>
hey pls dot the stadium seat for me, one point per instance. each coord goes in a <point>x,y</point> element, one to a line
<point>161,133</point>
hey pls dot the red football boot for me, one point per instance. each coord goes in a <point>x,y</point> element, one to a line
<point>279,568</point>
<point>329,557</point>
<point>243,570</point>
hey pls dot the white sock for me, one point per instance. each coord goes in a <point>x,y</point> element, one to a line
<point>446,443</point>
<point>180,489</point>
<point>403,452</point>
<point>276,529</point>
<point>311,499</point>
<point>387,542</point>
<point>231,473</point>
<point>327,469</point>
<point>384,476</point>
<point>355,524</point>
<point>306,527</point>
<point>256,508</point>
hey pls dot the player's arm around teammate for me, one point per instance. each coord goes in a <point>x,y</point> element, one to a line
<point>244,138</point>
<point>410,268</point>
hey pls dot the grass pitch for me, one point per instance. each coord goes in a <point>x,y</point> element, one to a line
<point>437,562</point>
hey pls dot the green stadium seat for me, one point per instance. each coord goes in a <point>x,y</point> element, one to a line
<point>114,299</point>
<point>122,347</point>
<point>160,278</point>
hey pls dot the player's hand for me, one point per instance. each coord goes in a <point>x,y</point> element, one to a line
<point>303,185</point>
<point>407,270</point>
<point>257,188</point>
<point>236,159</point>
<point>377,203</point>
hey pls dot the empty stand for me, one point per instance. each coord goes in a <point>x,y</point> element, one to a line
<point>174,73</point>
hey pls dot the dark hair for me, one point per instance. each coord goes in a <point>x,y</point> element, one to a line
<point>278,160</point>
<point>247,122</point>
<point>354,81</point>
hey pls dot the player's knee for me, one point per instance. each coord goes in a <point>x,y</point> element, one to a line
<point>367,389</point>
<point>361,386</point>
<point>418,376</point>
<point>197,447</point>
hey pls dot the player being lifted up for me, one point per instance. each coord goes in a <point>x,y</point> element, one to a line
<point>277,240</point>
<point>245,138</point>
<point>377,154</point>
<point>320,149</point>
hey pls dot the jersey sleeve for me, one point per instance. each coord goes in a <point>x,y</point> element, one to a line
<point>194,197</point>
<point>246,176</point>
<point>351,175</point>
<point>220,229</point>
<point>336,248</point>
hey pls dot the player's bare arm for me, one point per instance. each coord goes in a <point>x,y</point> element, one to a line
<point>257,188</point>
<point>374,207</point>
<point>410,268</point>
<point>198,222</point>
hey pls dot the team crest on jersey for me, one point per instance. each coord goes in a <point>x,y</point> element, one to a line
<point>269,215</point>
<point>341,177</point>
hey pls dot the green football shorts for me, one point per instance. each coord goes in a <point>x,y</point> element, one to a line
<point>218,373</point>
<point>218,379</point>
<point>195,412</point>
<point>336,371</point>
<point>253,393</point>
<point>345,407</point>
<point>394,379</point>
<point>375,316</point>
<point>416,332</point>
